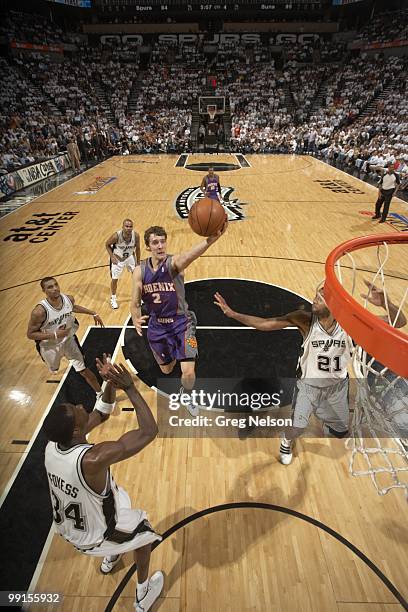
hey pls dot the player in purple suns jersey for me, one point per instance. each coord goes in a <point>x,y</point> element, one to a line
<point>210,185</point>
<point>159,281</point>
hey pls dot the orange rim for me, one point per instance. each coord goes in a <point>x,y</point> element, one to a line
<point>388,345</point>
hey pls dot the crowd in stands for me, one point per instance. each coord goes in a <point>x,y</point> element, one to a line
<point>333,52</point>
<point>304,86</point>
<point>353,112</point>
<point>162,131</point>
<point>347,94</point>
<point>35,29</point>
<point>385,27</point>
<point>257,98</point>
<point>88,100</point>
<point>343,96</point>
<point>377,138</point>
<point>22,115</point>
<point>365,145</point>
<point>162,100</point>
<point>300,52</point>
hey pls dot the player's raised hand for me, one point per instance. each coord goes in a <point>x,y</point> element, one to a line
<point>219,300</point>
<point>215,237</point>
<point>139,322</point>
<point>105,366</point>
<point>98,320</point>
<point>120,377</point>
<point>375,296</point>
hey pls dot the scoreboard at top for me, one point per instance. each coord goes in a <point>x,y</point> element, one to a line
<point>79,3</point>
<point>195,5</point>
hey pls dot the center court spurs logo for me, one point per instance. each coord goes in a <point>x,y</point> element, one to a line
<point>232,206</point>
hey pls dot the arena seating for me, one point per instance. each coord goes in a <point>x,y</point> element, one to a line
<point>384,27</point>
<point>322,100</point>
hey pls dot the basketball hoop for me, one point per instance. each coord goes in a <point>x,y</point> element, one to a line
<point>389,345</point>
<point>379,430</point>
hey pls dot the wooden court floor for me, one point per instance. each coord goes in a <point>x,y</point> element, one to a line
<point>296,210</point>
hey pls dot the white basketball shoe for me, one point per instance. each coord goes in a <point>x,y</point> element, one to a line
<point>285,452</point>
<point>193,409</point>
<point>108,563</point>
<point>154,589</point>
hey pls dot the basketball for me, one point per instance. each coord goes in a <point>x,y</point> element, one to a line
<point>206,217</point>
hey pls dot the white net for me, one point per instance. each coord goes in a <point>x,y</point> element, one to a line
<point>379,430</point>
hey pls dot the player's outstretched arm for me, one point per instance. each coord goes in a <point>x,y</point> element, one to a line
<point>376,297</point>
<point>297,318</point>
<point>181,261</point>
<point>82,310</point>
<point>132,442</point>
<point>136,301</point>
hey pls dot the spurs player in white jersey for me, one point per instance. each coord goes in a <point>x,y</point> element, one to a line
<point>322,387</point>
<point>53,325</point>
<point>124,253</point>
<point>89,509</point>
